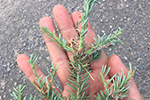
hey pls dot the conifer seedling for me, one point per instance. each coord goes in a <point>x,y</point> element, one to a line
<point>83,54</point>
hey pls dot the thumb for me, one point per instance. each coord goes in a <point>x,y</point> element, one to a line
<point>116,64</point>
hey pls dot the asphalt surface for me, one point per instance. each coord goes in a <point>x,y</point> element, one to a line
<point>17,36</point>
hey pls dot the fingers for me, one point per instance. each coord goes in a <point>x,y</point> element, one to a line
<point>58,56</point>
<point>115,63</point>
<point>64,22</point>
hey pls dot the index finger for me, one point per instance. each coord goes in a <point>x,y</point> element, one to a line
<point>58,55</point>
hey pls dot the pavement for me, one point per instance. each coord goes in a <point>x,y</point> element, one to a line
<point>17,36</point>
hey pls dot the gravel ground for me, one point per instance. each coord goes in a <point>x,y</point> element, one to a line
<point>17,36</point>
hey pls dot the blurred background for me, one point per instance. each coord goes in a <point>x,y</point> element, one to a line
<point>18,35</point>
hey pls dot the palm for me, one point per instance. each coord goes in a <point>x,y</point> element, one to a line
<point>95,85</point>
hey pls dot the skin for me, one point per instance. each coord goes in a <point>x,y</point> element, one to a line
<point>67,23</point>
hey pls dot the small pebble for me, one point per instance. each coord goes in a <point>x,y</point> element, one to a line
<point>4,65</point>
<point>103,31</point>
<point>20,71</point>
<point>4,96</point>
<point>125,58</point>
<point>3,88</point>
<point>15,83</point>
<point>138,59</point>
<point>109,49</point>
<point>110,26</point>
<point>40,58</point>
<point>24,80</point>
<point>3,83</point>
<point>125,17</point>
<point>127,6</point>
<point>8,69</point>
<point>9,90</point>
<point>24,44</point>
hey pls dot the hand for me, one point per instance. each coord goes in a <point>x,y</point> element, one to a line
<point>67,23</point>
